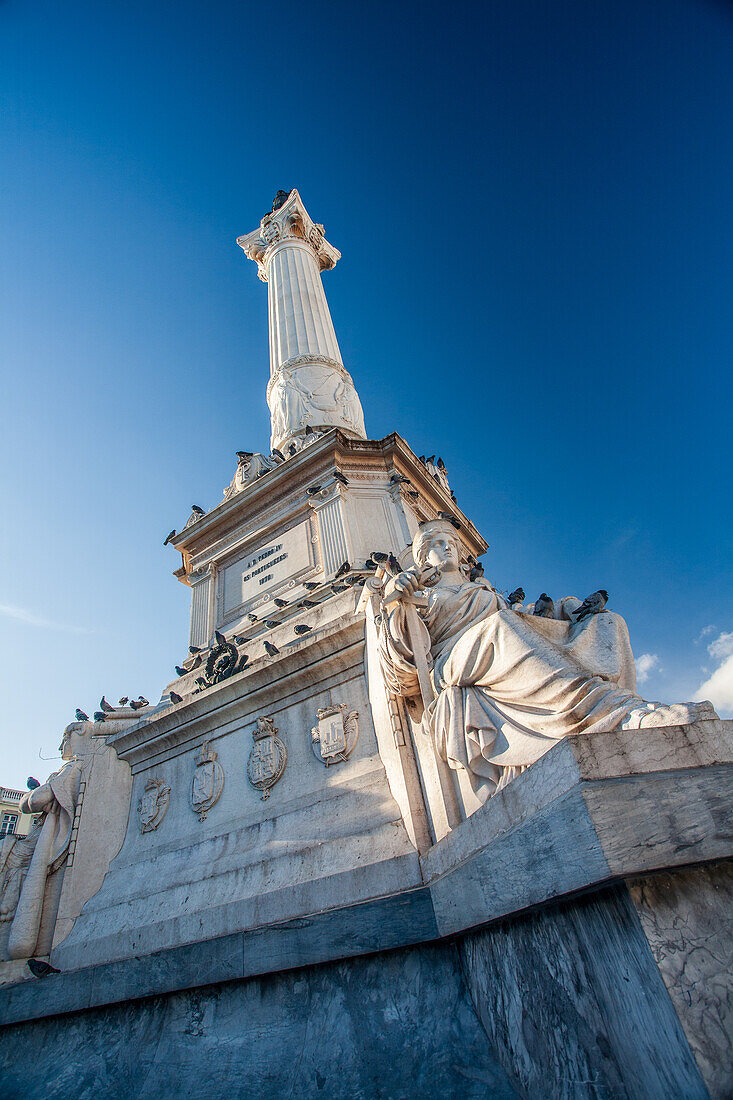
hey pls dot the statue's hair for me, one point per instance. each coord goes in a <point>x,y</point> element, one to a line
<point>425,533</point>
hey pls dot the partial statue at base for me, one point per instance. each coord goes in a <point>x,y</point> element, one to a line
<point>501,686</point>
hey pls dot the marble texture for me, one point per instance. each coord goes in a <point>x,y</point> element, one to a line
<point>393,1026</point>
<point>687,917</point>
<point>574,1006</point>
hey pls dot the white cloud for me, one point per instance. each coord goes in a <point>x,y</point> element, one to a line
<point>27,617</point>
<point>718,687</point>
<point>644,664</point>
<point>704,633</point>
<point>722,647</point>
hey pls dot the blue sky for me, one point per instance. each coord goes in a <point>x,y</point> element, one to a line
<point>533,205</point>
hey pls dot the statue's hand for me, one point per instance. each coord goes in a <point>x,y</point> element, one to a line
<point>402,587</point>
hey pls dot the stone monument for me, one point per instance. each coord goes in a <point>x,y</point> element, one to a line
<point>387,832</point>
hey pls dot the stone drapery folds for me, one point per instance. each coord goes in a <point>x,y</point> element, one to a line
<point>507,684</point>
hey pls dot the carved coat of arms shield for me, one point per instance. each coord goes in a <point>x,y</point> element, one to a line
<point>268,757</point>
<point>207,782</point>
<point>153,804</point>
<point>334,738</point>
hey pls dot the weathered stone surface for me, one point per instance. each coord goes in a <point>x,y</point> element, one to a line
<point>572,1002</point>
<point>393,1026</point>
<point>687,917</point>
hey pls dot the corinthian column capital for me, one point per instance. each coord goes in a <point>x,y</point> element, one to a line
<point>289,223</point>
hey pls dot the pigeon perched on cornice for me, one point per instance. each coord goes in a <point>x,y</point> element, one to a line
<point>272,623</point>
<point>450,519</point>
<point>338,476</point>
<point>220,639</point>
<point>399,479</point>
<point>99,716</point>
<point>311,585</point>
<point>180,672</point>
<point>194,649</point>
<point>199,511</point>
<point>280,602</point>
<point>302,628</point>
<point>313,491</point>
<point>517,596</point>
<point>104,705</point>
<point>41,969</point>
<point>123,700</point>
<point>169,537</point>
<point>175,697</point>
<point>592,605</point>
<point>81,716</point>
<point>277,454</point>
<point>343,568</point>
<point>272,650</point>
<point>544,607</point>
<point>307,604</point>
<point>252,617</point>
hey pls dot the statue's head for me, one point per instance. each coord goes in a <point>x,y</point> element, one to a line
<point>436,544</point>
<point>74,739</point>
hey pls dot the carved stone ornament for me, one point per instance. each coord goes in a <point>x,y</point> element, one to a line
<point>334,738</point>
<point>268,757</point>
<point>207,782</point>
<point>153,805</point>
<point>289,219</point>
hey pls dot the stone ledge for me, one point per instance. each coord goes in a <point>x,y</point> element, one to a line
<point>595,809</point>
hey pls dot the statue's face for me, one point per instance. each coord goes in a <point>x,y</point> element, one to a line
<point>442,552</point>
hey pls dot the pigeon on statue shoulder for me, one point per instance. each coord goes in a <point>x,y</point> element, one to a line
<point>544,607</point>
<point>592,605</point>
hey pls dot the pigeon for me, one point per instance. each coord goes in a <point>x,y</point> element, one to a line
<point>352,580</point>
<point>136,704</point>
<point>430,461</point>
<point>412,494</point>
<point>517,596</point>
<point>450,519</point>
<point>104,705</point>
<point>81,716</point>
<point>41,969</point>
<point>338,476</point>
<point>440,464</point>
<point>145,702</point>
<point>454,498</point>
<point>220,639</point>
<point>313,491</point>
<point>199,511</point>
<point>170,537</point>
<point>343,568</point>
<point>544,607</point>
<point>476,572</point>
<point>399,479</point>
<point>123,701</point>
<point>272,623</point>
<point>370,564</point>
<point>338,588</point>
<point>280,603</point>
<point>272,650</point>
<point>179,671</point>
<point>311,585</point>
<point>198,660</point>
<point>421,458</point>
<point>308,430</point>
<point>379,556</point>
<point>238,639</point>
<point>99,716</point>
<point>307,604</point>
<point>244,455</point>
<point>242,661</point>
<point>592,605</point>
<point>292,449</point>
<point>393,565</point>
<point>200,680</point>
<point>302,628</point>
<point>252,617</point>
<point>175,697</point>
<point>277,454</point>
<point>32,783</point>
<point>194,649</point>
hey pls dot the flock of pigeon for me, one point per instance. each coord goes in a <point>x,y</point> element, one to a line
<point>106,710</point>
<point>545,606</point>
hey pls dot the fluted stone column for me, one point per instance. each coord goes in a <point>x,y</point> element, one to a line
<point>309,385</point>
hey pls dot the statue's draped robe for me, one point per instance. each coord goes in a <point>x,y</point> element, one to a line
<point>50,850</point>
<point>509,684</point>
